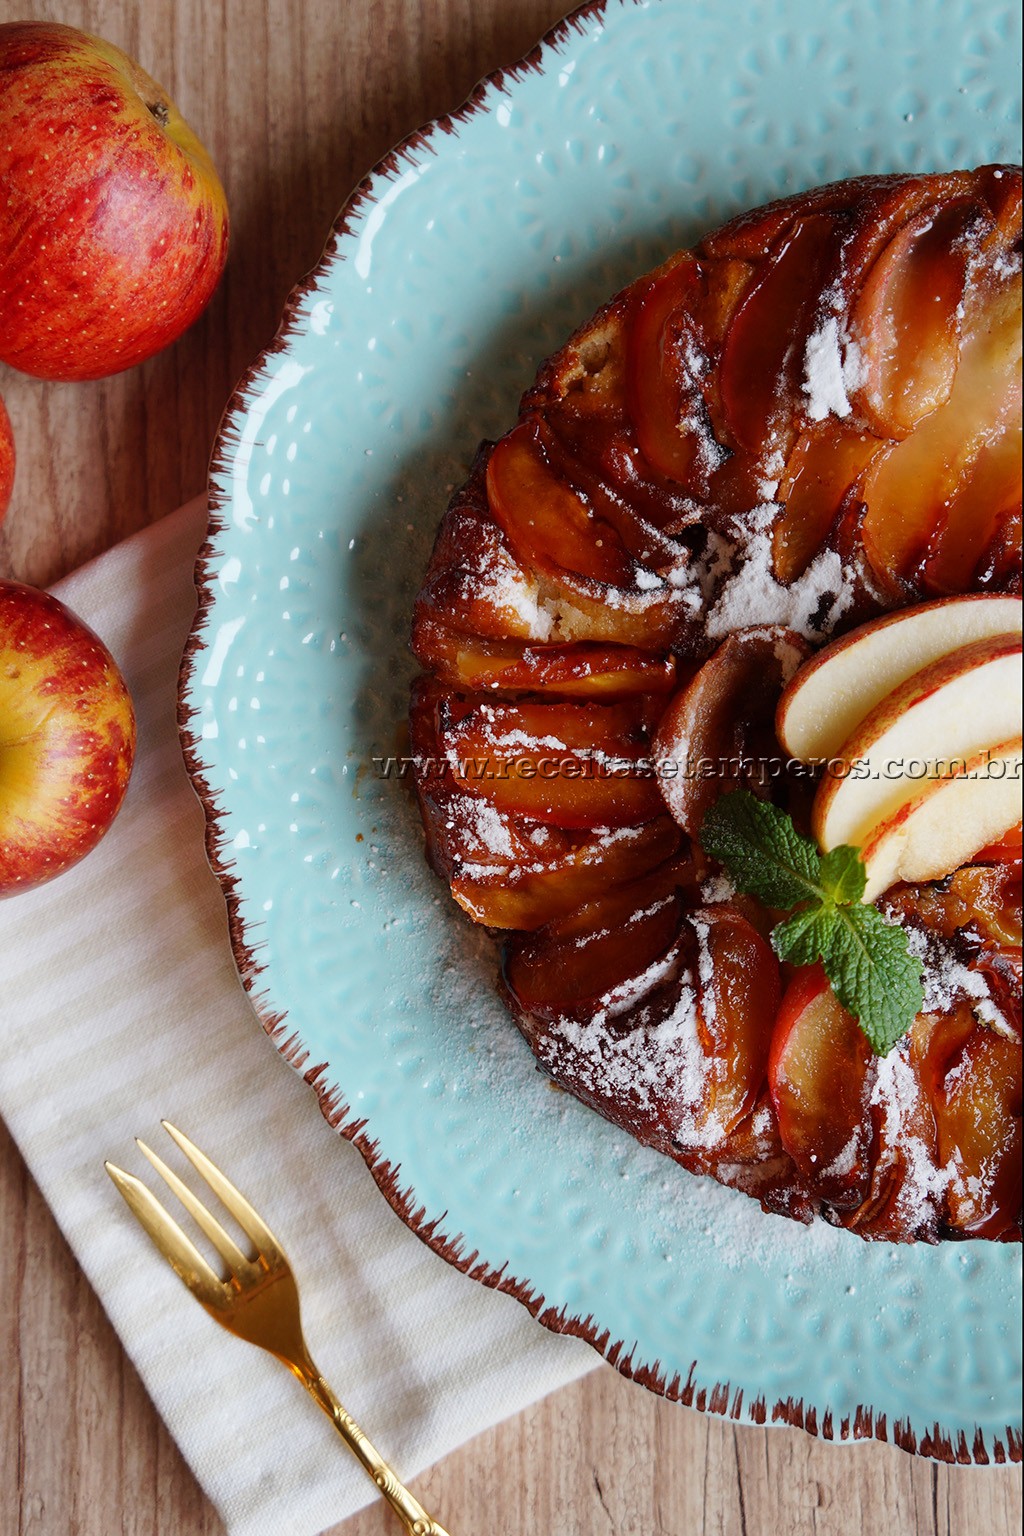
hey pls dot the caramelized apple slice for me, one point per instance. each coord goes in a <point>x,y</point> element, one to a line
<point>976,1097</point>
<point>664,393</point>
<point>571,968</point>
<point>906,321</point>
<point>526,892</point>
<point>826,463</point>
<point>819,1073</point>
<point>738,1000</point>
<point>547,523</point>
<point>761,369</point>
<point>584,670</point>
<point>718,730</point>
<point>574,765</point>
<point>989,490</point>
<point>907,488</point>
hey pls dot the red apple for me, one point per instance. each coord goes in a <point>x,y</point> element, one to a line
<point>6,460</point>
<point>67,738</point>
<point>115,226</point>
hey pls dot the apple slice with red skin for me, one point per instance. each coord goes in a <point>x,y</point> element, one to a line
<point>6,460</point>
<point>841,684</point>
<point>934,832</point>
<point>819,1074</point>
<point>951,709</point>
<point>67,738</point>
<point>722,718</point>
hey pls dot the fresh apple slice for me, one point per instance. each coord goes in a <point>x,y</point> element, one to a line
<point>950,710</point>
<point>818,1073</point>
<point>830,696</point>
<point>945,826</point>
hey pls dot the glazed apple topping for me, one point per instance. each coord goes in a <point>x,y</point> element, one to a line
<point>757,528</point>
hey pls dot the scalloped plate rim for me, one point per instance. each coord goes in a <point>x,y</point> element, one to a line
<point>937,1443</point>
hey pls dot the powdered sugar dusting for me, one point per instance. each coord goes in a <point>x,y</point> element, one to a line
<point>751,594</point>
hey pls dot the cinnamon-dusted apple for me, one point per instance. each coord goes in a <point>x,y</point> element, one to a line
<point>807,424</point>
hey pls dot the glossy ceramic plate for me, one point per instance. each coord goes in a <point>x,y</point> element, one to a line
<point>470,254</point>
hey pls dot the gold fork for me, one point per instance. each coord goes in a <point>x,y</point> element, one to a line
<point>258,1301</point>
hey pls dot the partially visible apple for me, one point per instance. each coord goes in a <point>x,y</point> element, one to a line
<point>833,692</point>
<point>6,460</point>
<point>948,823</point>
<point>950,710</point>
<point>67,738</point>
<point>115,226</point>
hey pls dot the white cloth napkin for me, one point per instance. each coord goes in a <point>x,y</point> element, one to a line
<point>119,1005</point>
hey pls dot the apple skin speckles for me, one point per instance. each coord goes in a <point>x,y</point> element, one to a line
<point>67,738</point>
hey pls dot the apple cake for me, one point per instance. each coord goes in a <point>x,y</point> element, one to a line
<point>753,515</point>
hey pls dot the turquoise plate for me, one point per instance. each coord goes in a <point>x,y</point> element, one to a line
<point>467,256</point>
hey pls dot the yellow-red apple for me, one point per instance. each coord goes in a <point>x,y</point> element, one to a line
<point>948,823</point>
<point>67,738</point>
<point>950,710</point>
<point>114,229</point>
<point>6,460</point>
<point>833,692</point>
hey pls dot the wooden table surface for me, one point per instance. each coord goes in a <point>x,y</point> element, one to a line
<point>296,99</point>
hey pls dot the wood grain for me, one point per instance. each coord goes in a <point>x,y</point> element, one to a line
<point>296,99</point>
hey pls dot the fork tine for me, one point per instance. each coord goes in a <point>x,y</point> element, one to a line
<point>224,1244</point>
<point>183,1256</point>
<point>251,1223</point>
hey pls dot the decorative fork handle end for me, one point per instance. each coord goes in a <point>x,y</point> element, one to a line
<point>408,1509</point>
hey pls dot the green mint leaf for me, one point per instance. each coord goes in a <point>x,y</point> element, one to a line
<point>843,874</point>
<point>761,850</point>
<point>873,973</point>
<point>806,937</point>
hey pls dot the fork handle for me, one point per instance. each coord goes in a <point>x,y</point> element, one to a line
<point>408,1509</point>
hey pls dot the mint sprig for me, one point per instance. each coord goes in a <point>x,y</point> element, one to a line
<point>866,959</point>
